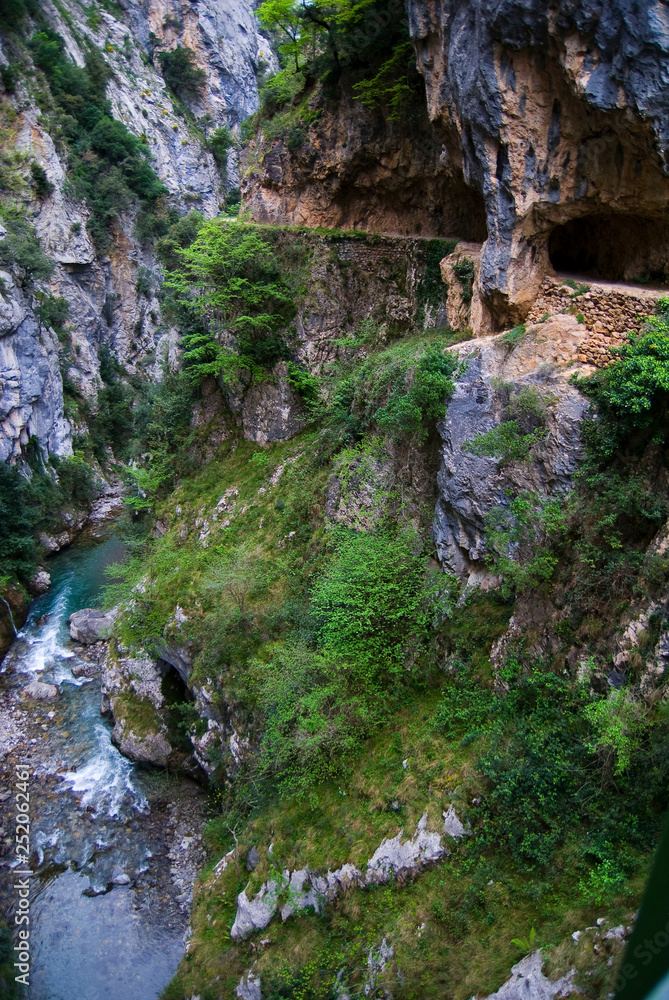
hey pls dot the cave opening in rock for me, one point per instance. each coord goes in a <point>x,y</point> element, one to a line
<point>612,246</point>
<point>179,710</point>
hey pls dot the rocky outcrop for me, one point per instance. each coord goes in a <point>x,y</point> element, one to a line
<point>90,625</point>
<point>132,695</point>
<point>304,889</point>
<point>271,411</point>
<point>559,118</point>
<point>472,485</point>
<point>249,987</point>
<point>353,169</point>
<point>528,981</point>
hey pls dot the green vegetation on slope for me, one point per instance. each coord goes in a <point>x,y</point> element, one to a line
<point>361,679</point>
<point>108,165</point>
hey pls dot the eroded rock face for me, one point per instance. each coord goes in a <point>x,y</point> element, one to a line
<point>560,119</point>
<point>469,485</point>
<point>106,306</point>
<point>354,170</point>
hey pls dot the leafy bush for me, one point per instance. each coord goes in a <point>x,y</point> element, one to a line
<point>618,722</point>
<point>181,72</point>
<point>113,422</point>
<point>372,605</point>
<point>220,142</point>
<point>631,395</point>
<point>180,234</point>
<point>464,272</point>
<point>523,426</point>
<point>41,183</point>
<point>402,390</point>
<point>22,249</point>
<point>77,478</point>
<point>10,77</point>
<point>521,540</point>
<point>53,311</point>
<point>17,545</point>
<point>422,398</point>
<point>314,723</point>
<point>13,12</point>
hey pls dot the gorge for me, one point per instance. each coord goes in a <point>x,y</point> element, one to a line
<point>334,573</point>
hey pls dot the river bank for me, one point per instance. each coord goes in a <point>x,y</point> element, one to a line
<point>115,848</point>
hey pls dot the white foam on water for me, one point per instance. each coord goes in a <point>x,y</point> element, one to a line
<point>43,647</point>
<point>105,781</point>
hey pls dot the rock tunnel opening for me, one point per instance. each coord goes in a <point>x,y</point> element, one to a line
<point>612,246</point>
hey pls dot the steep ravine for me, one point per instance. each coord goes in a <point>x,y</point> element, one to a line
<point>377,702</point>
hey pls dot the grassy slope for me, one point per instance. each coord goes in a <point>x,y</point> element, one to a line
<point>463,914</point>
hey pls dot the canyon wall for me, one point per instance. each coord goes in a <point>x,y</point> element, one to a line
<point>111,301</point>
<point>559,116</point>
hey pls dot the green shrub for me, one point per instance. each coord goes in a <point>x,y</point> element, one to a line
<point>181,72</point>
<point>523,427</point>
<point>421,396</point>
<point>180,234</point>
<point>220,142</point>
<point>14,12</point>
<point>41,183</point>
<point>464,272</point>
<point>77,478</point>
<point>522,539</point>
<point>10,77</point>
<point>17,546</point>
<point>372,605</point>
<point>22,249</point>
<point>314,722</point>
<point>631,395</point>
<point>53,311</point>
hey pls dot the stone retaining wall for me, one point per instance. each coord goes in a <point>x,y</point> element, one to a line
<point>607,311</point>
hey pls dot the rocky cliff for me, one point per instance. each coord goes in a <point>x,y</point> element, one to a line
<point>559,116</point>
<point>108,302</point>
<point>352,168</point>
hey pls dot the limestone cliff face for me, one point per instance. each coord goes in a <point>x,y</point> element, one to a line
<point>353,169</point>
<point>470,486</point>
<point>559,115</point>
<point>105,305</point>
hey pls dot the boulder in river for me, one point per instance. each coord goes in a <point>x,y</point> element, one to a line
<point>40,582</point>
<point>90,625</point>
<point>39,691</point>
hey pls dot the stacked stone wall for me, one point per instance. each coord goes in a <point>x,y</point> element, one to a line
<point>609,312</point>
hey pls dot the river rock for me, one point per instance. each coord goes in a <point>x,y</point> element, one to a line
<point>86,668</point>
<point>528,982</point>
<point>39,583</point>
<point>145,748</point>
<point>90,625</point>
<point>39,691</point>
